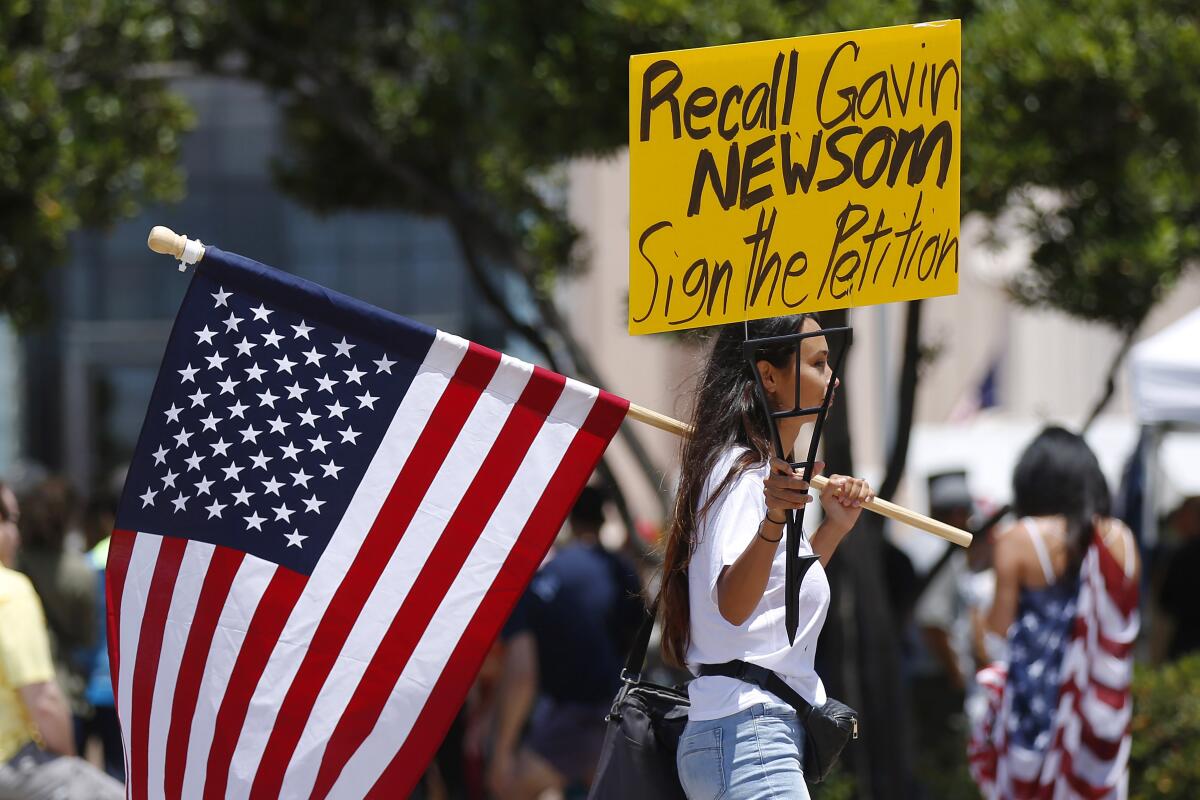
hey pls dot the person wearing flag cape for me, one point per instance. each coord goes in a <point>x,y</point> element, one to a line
<point>723,585</point>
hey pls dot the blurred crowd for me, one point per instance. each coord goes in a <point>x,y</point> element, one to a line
<point>533,723</point>
<point>58,725</point>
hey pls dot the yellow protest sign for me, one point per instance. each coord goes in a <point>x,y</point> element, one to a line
<point>793,175</point>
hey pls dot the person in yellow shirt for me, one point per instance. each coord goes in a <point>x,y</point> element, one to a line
<point>36,742</point>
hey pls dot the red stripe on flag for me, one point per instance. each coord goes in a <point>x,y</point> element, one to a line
<point>1122,591</point>
<point>261,635</point>
<point>1114,648</point>
<point>423,463</point>
<point>145,663</point>
<point>1079,786</point>
<point>430,727</point>
<point>120,550</point>
<point>438,572</point>
<point>222,568</point>
<point>466,525</point>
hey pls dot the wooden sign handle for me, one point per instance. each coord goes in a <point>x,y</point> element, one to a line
<point>820,482</point>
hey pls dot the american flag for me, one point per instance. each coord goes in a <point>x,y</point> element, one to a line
<point>1088,739</point>
<point>330,512</point>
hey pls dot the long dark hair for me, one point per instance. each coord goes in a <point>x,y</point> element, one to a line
<point>726,414</point>
<point>1058,474</point>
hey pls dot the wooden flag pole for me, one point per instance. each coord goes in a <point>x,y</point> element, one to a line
<point>820,482</point>
<point>169,243</point>
<point>189,251</point>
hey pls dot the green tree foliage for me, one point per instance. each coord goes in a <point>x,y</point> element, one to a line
<point>462,110</point>
<point>1165,760</point>
<point>87,131</point>
<point>1097,102</point>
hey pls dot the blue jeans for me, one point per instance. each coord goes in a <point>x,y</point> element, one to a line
<point>754,754</point>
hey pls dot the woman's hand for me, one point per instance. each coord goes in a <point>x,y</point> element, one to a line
<point>785,489</point>
<point>842,501</point>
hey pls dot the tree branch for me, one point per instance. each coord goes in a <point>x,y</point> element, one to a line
<point>1110,381</point>
<point>468,222</point>
<point>906,396</point>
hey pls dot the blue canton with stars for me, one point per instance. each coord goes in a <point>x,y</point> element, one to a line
<point>1037,641</point>
<point>273,396</point>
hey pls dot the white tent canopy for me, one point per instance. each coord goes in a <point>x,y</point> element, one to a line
<point>1165,380</point>
<point>1165,374</point>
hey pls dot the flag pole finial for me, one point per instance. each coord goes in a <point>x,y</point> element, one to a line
<point>166,241</point>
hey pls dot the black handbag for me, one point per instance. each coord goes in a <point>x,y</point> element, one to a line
<point>827,728</point>
<point>637,760</point>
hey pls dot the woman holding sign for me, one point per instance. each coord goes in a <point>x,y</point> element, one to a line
<point>723,577</point>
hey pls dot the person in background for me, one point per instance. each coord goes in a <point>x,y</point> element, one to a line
<point>99,519</point>
<point>565,644</point>
<point>37,744</point>
<point>64,580</point>
<point>1179,592</point>
<point>1067,583</point>
<point>950,609</point>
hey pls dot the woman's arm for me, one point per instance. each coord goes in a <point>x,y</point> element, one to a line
<point>842,503</point>
<point>1008,586</point>
<point>740,585</point>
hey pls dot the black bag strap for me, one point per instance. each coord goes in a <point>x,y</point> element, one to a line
<point>636,659</point>
<point>763,678</point>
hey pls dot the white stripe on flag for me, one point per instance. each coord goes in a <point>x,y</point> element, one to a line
<point>133,607</point>
<point>247,590</point>
<point>192,569</point>
<point>406,426</point>
<point>468,589</point>
<point>453,479</point>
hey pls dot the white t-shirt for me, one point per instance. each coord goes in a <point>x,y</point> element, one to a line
<point>723,534</point>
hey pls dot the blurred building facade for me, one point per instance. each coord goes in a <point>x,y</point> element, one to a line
<point>83,382</point>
